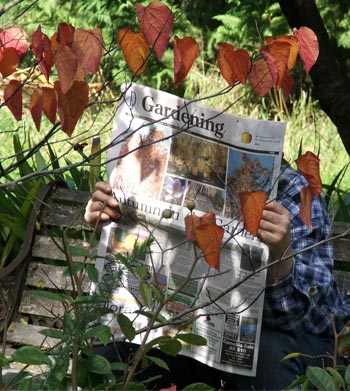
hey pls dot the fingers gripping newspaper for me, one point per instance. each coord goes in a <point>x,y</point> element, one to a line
<point>165,152</point>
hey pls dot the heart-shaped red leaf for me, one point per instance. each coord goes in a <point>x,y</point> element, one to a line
<point>156,23</point>
<point>185,53</point>
<point>309,48</point>
<point>309,165</point>
<point>36,107</point>
<point>252,206</point>
<point>260,78</point>
<point>13,98</point>
<point>207,236</point>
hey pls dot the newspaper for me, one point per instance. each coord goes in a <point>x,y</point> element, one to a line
<point>165,152</point>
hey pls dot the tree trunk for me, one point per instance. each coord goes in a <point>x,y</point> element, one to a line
<point>331,86</point>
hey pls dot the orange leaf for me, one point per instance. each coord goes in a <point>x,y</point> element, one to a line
<point>252,206</point>
<point>13,37</point>
<point>270,61</point>
<point>185,52</point>
<point>9,60</point>
<point>306,196</point>
<point>64,35</point>
<point>49,103</point>
<point>280,52</point>
<point>234,63</point>
<point>135,50</point>
<point>72,104</point>
<point>207,236</point>
<point>40,45</point>
<point>288,84</point>
<point>309,48</point>
<point>294,49</point>
<point>66,64</point>
<point>156,23</point>
<point>36,107</point>
<point>260,78</point>
<point>309,165</point>
<point>88,49</point>
<point>13,98</point>
<point>225,67</point>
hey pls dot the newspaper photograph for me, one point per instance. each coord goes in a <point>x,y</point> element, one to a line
<point>167,152</point>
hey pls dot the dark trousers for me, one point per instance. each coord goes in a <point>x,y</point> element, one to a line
<point>272,373</point>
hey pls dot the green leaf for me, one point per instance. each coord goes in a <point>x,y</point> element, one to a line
<point>198,387</point>
<point>347,375</point>
<point>146,293</point>
<point>291,355</point>
<point>336,376</point>
<point>4,362</point>
<point>159,295</point>
<point>119,366</point>
<point>171,347</point>
<point>52,333</point>
<point>298,382</point>
<point>150,315</point>
<point>100,331</point>
<point>98,364</point>
<point>60,297</point>
<point>321,379</point>
<point>158,361</point>
<point>192,339</point>
<point>31,355</point>
<point>92,273</point>
<point>141,272</point>
<point>126,326</point>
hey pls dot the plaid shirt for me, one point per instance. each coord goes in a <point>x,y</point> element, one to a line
<point>303,301</point>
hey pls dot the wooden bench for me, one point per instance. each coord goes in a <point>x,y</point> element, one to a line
<point>61,218</point>
<point>60,230</point>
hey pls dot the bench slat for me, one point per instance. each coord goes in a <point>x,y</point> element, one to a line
<point>43,276</point>
<point>40,306</point>
<point>47,248</point>
<point>28,334</point>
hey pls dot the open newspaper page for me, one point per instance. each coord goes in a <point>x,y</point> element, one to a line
<point>166,152</point>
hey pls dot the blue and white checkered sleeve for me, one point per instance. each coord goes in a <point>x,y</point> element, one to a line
<point>290,304</point>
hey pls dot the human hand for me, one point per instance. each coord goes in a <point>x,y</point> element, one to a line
<point>274,229</point>
<point>102,206</point>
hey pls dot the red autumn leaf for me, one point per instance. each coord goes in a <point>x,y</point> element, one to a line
<point>260,78</point>
<point>252,206</point>
<point>309,166</point>
<point>64,35</point>
<point>72,104</point>
<point>207,236</point>
<point>9,60</point>
<point>279,50</point>
<point>294,49</point>
<point>185,53</point>
<point>49,103</point>
<point>234,63</point>
<point>13,98</point>
<point>288,84</point>
<point>36,107</point>
<point>156,23</point>
<point>270,61</point>
<point>88,49</point>
<point>135,49</point>
<point>65,59</point>
<point>13,37</point>
<point>40,45</point>
<point>66,65</point>
<point>309,48</point>
<point>306,196</point>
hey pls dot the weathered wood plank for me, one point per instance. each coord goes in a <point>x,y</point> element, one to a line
<point>343,281</point>
<point>49,248</point>
<point>42,276</point>
<point>28,334</point>
<point>40,306</point>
